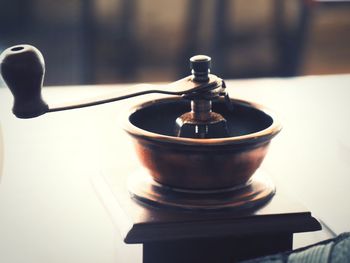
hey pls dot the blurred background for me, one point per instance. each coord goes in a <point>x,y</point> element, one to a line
<point>115,41</point>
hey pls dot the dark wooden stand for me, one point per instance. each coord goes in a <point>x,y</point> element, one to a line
<point>221,249</point>
<point>205,236</point>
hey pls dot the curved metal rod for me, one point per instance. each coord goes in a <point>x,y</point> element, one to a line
<point>213,84</point>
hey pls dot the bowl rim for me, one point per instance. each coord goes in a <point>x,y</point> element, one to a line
<point>259,136</point>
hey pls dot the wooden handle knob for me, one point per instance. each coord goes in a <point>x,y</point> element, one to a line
<point>23,68</point>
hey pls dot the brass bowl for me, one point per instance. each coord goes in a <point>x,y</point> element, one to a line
<point>200,164</point>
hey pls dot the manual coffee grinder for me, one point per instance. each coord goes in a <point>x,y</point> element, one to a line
<point>200,195</point>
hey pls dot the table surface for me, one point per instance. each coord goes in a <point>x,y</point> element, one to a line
<point>49,209</point>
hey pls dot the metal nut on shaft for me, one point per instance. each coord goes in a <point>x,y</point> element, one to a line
<point>200,67</point>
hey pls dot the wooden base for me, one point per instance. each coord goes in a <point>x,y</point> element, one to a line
<point>173,235</point>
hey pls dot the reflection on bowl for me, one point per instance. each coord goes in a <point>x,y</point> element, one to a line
<point>200,163</point>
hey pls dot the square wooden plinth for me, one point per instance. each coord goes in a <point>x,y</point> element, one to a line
<point>204,236</point>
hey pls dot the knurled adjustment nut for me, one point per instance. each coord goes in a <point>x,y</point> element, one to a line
<point>200,64</point>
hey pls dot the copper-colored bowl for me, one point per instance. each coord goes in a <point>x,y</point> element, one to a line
<point>200,163</point>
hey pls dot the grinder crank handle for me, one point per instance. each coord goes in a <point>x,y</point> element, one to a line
<point>23,68</point>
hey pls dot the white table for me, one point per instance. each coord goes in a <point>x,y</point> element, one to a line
<point>49,209</point>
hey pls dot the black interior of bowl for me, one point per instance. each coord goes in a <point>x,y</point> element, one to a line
<point>160,117</point>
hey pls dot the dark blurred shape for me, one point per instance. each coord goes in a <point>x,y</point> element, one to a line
<point>287,38</point>
<point>105,41</point>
